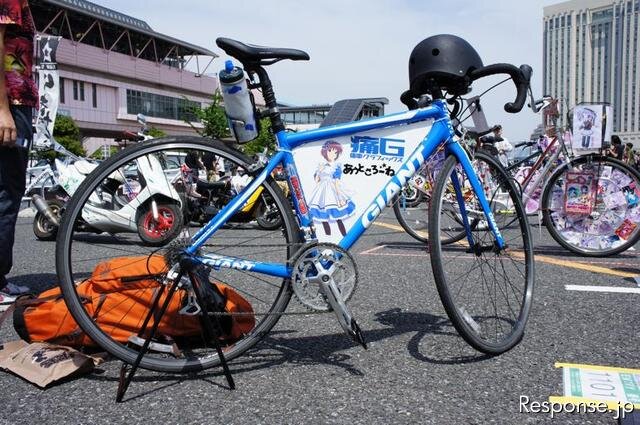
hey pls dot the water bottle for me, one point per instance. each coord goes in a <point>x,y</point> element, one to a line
<point>237,103</point>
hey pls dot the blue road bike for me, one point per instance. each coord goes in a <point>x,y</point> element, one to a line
<point>340,179</point>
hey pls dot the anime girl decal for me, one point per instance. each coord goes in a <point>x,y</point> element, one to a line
<point>330,203</point>
<point>587,119</point>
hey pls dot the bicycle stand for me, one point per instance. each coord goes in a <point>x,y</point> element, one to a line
<point>210,331</point>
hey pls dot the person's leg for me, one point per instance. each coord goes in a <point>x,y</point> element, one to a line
<point>13,167</point>
<point>341,227</point>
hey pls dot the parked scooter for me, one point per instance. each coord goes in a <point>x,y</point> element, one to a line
<point>120,205</point>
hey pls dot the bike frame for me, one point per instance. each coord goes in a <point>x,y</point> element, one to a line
<point>529,188</point>
<point>441,133</point>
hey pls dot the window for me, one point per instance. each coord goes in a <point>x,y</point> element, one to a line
<point>78,90</point>
<point>159,106</point>
<point>94,95</point>
<point>61,90</point>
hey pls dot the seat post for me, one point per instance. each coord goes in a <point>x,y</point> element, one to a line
<point>270,100</point>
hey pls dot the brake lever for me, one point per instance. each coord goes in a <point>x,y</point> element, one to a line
<point>533,104</point>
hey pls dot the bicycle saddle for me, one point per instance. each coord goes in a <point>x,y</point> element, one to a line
<point>259,54</point>
<point>205,185</point>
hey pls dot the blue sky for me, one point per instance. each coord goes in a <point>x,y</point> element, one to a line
<point>360,48</point>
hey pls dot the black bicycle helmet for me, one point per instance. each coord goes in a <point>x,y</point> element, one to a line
<point>442,62</point>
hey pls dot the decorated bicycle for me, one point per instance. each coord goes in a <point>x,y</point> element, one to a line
<point>589,202</point>
<point>340,178</point>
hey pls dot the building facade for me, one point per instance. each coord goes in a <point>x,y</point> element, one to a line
<point>114,66</point>
<point>301,118</point>
<point>590,55</point>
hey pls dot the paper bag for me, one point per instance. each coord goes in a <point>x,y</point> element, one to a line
<point>43,364</point>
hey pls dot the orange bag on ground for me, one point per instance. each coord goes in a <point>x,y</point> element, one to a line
<point>118,295</point>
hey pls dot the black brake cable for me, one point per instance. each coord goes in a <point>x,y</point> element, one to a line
<point>481,94</point>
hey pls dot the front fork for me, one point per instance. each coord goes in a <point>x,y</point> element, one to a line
<point>463,159</point>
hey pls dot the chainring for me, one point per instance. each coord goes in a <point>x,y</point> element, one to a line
<point>325,257</point>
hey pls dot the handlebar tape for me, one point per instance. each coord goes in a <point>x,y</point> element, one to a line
<point>520,76</point>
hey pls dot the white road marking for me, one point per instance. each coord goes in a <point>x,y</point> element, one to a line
<point>614,289</point>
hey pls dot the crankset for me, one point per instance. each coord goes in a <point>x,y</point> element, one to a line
<point>324,278</point>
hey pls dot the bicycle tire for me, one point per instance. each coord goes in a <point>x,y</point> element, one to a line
<point>281,289</point>
<point>472,320</point>
<point>553,219</point>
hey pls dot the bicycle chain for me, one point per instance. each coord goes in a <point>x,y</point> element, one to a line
<point>284,313</point>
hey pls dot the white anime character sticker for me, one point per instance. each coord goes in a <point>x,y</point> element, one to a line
<point>586,127</point>
<point>341,176</point>
<point>589,124</point>
<point>330,202</point>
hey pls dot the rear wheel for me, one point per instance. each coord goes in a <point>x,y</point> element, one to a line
<point>267,214</point>
<point>486,291</point>
<point>410,208</point>
<point>43,228</point>
<point>79,254</point>
<point>411,205</point>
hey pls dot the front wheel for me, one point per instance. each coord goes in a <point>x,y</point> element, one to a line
<point>486,290</point>
<point>161,230</point>
<point>591,206</point>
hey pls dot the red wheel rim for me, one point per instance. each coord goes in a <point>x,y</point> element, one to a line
<point>156,229</point>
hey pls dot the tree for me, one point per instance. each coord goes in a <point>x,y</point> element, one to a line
<point>215,124</point>
<point>265,139</point>
<point>156,132</point>
<point>67,133</point>
<point>213,118</point>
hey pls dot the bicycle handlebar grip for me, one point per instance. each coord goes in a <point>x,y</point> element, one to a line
<point>408,100</point>
<point>520,77</point>
<point>522,85</point>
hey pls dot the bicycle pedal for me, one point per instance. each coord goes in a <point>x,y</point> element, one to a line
<point>192,308</point>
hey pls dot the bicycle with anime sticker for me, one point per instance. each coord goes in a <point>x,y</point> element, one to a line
<point>363,165</point>
<point>583,199</point>
<point>603,218</point>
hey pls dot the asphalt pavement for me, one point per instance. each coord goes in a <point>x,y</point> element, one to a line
<point>416,370</point>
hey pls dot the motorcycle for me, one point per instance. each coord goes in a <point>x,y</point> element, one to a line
<point>205,199</point>
<point>123,203</point>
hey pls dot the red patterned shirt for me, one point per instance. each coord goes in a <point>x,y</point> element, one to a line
<point>18,56</point>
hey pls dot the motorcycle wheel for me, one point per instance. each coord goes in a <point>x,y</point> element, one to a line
<point>159,233</point>
<point>268,218</point>
<point>43,228</point>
